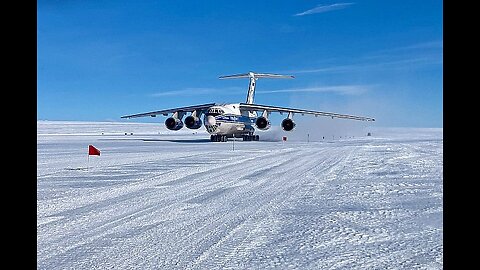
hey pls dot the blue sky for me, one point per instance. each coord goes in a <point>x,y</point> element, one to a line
<point>99,60</point>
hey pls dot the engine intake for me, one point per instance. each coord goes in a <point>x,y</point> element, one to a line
<point>173,123</point>
<point>193,122</point>
<point>262,123</point>
<point>288,124</point>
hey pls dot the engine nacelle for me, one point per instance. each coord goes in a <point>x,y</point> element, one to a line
<point>262,123</point>
<point>193,122</point>
<point>288,124</point>
<point>173,123</point>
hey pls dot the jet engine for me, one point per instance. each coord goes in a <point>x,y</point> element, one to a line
<point>192,122</point>
<point>262,123</point>
<point>173,123</point>
<point>288,124</point>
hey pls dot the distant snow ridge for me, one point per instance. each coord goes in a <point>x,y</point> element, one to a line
<point>97,128</point>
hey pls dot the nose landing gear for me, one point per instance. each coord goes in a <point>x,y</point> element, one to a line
<point>218,138</point>
<point>223,138</point>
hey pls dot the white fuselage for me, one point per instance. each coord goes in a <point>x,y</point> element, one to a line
<point>228,120</point>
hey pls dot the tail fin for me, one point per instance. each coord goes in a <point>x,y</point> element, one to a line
<point>253,77</point>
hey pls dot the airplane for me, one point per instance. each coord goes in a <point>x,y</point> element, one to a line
<point>237,120</point>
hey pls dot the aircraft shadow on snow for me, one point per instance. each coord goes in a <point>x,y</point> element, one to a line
<point>163,140</point>
<point>178,140</point>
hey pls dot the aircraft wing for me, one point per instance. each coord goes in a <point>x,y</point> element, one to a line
<point>197,108</point>
<point>258,107</point>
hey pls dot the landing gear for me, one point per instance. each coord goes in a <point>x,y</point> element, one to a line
<point>223,138</point>
<point>218,138</point>
<point>250,137</point>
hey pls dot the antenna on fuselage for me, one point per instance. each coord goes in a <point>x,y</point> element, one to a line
<point>253,77</point>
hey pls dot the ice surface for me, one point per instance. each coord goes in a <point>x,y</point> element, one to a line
<point>154,200</point>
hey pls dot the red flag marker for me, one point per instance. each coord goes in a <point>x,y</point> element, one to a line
<point>92,151</point>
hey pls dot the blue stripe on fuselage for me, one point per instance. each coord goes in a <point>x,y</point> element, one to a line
<point>235,119</point>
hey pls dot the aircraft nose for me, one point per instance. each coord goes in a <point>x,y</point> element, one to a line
<point>211,120</point>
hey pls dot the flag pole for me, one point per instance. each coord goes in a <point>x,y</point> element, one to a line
<point>88,160</point>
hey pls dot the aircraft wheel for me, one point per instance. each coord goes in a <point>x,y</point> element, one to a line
<point>257,137</point>
<point>215,138</point>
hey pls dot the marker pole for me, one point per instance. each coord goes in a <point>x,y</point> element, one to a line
<point>233,142</point>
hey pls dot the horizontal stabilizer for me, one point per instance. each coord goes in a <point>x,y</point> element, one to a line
<point>236,76</point>
<point>275,76</point>
<point>253,77</point>
<point>257,75</point>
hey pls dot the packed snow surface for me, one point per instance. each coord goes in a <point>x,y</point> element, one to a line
<point>157,200</point>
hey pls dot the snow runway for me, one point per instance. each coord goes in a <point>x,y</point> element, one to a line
<point>153,201</point>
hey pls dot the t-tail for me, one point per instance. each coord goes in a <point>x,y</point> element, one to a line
<point>253,77</point>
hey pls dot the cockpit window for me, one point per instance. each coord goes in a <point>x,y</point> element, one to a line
<point>215,111</point>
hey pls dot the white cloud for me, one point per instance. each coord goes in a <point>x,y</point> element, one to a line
<point>387,64</point>
<point>422,48</point>
<point>193,91</point>
<point>436,44</point>
<point>409,57</point>
<point>339,89</point>
<point>324,8</point>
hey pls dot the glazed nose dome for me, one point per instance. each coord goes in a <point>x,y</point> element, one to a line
<point>211,120</point>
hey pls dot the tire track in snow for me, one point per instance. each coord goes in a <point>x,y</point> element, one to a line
<point>92,231</point>
<point>268,207</point>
